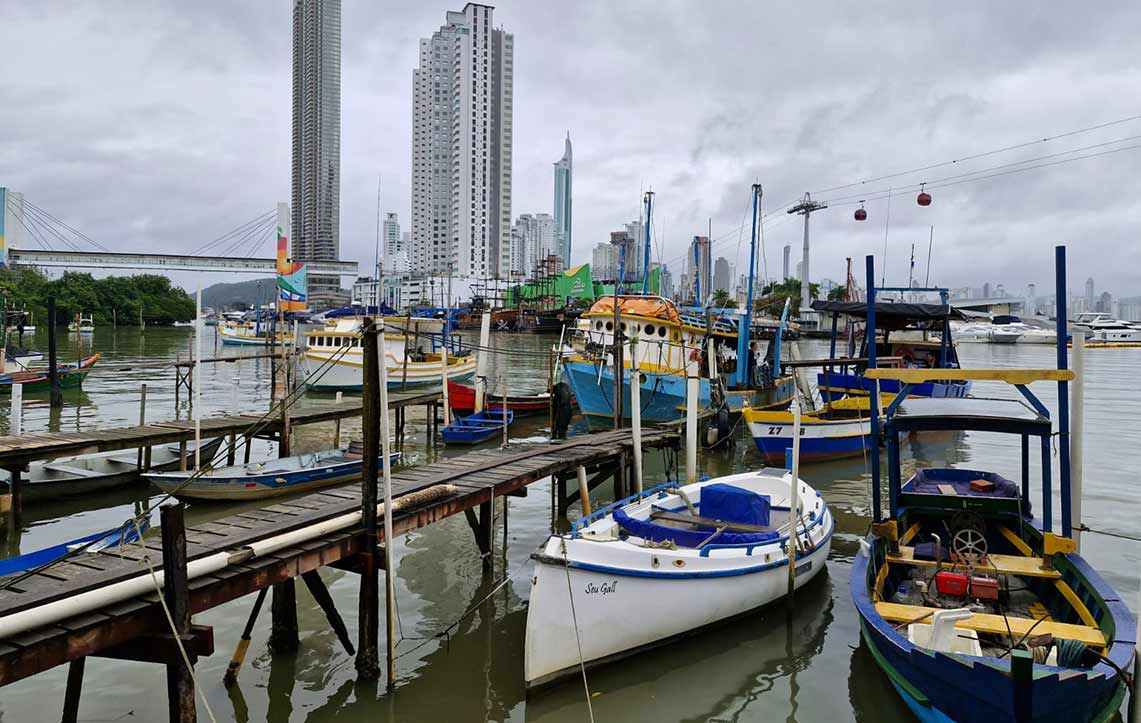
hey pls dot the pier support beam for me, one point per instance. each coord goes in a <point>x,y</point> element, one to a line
<point>74,688</point>
<point>283,610</point>
<point>179,678</point>
<point>368,610</point>
<point>321,594</point>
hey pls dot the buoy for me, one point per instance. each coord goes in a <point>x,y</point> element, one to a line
<point>924,198</point>
<point>861,214</point>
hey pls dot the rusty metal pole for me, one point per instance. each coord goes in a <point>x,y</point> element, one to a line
<point>367,661</point>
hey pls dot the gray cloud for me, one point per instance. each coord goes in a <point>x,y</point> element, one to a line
<point>163,125</point>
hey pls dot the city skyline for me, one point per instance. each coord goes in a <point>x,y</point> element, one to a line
<point>209,106</point>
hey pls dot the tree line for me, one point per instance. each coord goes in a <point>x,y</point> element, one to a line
<point>126,300</point>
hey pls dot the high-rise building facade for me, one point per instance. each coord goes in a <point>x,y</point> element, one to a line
<point>390,234</point>
<point>784,269</point>
<point>316,194</point>
<point>722,274</point>
<point>604,262</point>
<point>564,183</point>
<point>534,234</point>
<point>698,270</point>
<point>461,148</point>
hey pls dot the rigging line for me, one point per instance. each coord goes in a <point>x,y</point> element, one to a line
<point>77,232</point>
<point>261,239</point>
<point>982,155</point>
<point>229,234</point>
<point>1007,165</point>
<point>242,240</point>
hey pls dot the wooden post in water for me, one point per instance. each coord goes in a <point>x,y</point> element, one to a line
<point>583,491</point>
<point>142,420</point>
<point>386,469</point>
<point>337,424</point>
<point>283,613</point>
<point>367,660</point>
<point>794,503</point>
<point>179,678</point>
<point>444,381</point>
<point>503,388</point>
<point>73,690</point>
<point>53,357</point>
<point>636,410</point>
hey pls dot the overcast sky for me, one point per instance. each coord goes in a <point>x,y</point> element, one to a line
<point>161,125</point>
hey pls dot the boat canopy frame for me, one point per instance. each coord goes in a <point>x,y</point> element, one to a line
<point>893,425</point>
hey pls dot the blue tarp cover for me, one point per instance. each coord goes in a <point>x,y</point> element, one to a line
<point>733,504</point>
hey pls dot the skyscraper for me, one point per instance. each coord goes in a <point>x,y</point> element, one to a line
<point>722,274</point>
<point>698,270</point>
<point>535,236</point>
<point>316,196</point>
<point>461,147</point>
<point>564,178</point>
<point>390,235</point>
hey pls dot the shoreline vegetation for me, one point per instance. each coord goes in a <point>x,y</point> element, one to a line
<point>123,300</point>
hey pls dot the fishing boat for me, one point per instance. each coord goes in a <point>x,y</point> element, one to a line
<point>478,427</point>
<point>916,326</point>
<point>259,480</point>
<point>836,430</point>
<point>666,563</point>
<point>245,333</point>
<point>334,359</point>
<point>82,325</point>
<point>461,397</point>
<point>971,604</point>
<point>52,479</point>
<point>37,379</point>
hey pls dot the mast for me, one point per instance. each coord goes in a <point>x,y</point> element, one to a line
<point>746,325</point>
<point>646,252</point>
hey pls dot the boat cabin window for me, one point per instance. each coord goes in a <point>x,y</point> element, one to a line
<point>649,329</point>
<point>610,326</point>
<point>662,331</point>
<point>598,325</point>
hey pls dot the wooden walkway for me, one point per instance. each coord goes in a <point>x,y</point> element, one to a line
<point>460,484</point>
<point>17,451</point>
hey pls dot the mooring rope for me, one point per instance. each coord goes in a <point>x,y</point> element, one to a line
<point>577,639</point>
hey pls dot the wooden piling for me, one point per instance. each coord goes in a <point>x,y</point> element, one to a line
<point>283,636</point>
<point>144,456</point>
<point>368,633</point>
<point>53,357</point>
<point>73,690</point>
<point>320,593</point>
<point>176,591</point>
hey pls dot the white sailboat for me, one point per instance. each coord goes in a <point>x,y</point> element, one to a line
<point>665,563</point>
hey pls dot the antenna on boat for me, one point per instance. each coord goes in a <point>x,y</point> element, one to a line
<point>646,257</point>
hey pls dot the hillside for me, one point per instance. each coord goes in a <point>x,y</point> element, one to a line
<point>219,296</point>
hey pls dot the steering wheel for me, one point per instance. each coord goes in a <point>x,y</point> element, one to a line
<point>969,545</point>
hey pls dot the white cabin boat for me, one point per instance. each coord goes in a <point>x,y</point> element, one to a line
<point>657,566</point>
<point>82,325</point>
<point>334,360</point>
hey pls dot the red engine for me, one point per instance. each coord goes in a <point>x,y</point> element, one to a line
<point>951,583</point>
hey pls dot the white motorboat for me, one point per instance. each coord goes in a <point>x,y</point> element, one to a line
<point>662,564</point>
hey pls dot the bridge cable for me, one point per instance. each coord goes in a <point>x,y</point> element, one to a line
<point>77,232</point>
<point>229,234</point>
<point>37,219</point>
<point>19,215</point>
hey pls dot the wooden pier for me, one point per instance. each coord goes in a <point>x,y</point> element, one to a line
<point>137,629</point>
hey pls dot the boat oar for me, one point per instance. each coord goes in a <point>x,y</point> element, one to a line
<point>231,675</point>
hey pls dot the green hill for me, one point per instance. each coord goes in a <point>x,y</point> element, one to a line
<point>220,296</point>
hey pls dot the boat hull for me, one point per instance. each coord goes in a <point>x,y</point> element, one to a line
<point>952,687</point>
<point>819,440</point>
<point>346,375</point>
<point>662,395</point>
<point>618,613</point>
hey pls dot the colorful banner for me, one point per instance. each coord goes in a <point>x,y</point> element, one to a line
<point>291,284</point>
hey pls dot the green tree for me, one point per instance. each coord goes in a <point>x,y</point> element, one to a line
<point>773,296</point>
<point>722,299</point>
<point>118,298</point>
<point>838,293</point>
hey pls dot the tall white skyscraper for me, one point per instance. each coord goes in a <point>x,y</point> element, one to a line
<point>564,178</point>
<point>317,141</point>
<point>390,235</point>
<point>461,148</point>
<point>534,235</point>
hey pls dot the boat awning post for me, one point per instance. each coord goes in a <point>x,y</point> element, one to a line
<point>873,400</point>
<point>636,409</point>
<point>794,501</point>
<point>1077,429</point>
<point>1063,390</point>
<point>1026,470</point>
<point>1047,498</point>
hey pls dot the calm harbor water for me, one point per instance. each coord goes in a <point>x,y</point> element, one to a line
<point>803,666</point>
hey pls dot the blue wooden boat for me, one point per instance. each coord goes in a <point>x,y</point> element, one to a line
<point>266,479</point>
<point>105,540</point>
<point>476,428</point>
<point>973,606</point>
<point>922,339</point>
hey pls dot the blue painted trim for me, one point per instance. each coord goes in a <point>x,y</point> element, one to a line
<point>604,511</point>
<point>1033,400</point>
<point>1063,391</point>
<point>904,390</point>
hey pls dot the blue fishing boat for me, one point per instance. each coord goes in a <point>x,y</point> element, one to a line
<point>922,339</point>
<point>973,606</point>
<point>266,479</point>
<point>478,427</point>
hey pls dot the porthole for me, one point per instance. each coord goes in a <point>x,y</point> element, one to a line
<point>662,331</point>
<point>598,325</point>
<point>622,326</point>
<point>610,326</point>
<point>649,329</point>
<point>679,563</point>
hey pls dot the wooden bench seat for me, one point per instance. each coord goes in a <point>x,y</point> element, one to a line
<point>992,564</point>
<point>706,521</point>
<point>994,624</point>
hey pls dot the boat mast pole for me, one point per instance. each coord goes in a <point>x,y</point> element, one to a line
<point>1063,392</point>
<point>646,250</point>
<point>747,323</point>
<point>198,379</point>
<point>873,398</point>
<point>794,503</point>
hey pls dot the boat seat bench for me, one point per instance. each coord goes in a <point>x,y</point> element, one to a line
<point>707,521</point>
<point>77,471</point>
<point>995,624</point>
<point>993,564</point>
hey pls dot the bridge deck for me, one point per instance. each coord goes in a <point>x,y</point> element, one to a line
<point>474,478</point>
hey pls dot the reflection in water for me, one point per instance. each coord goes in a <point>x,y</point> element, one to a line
<point>754,668</point>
